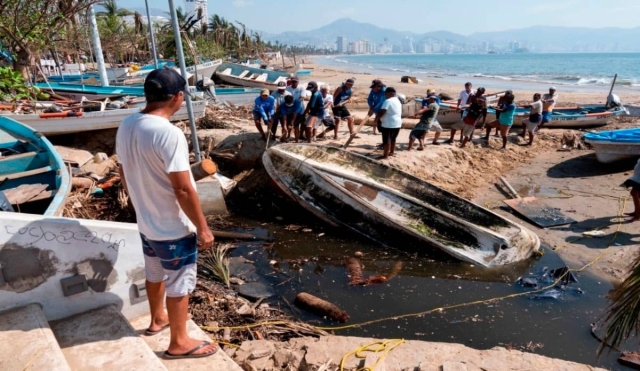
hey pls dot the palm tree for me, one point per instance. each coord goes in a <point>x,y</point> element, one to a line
<point>623,315</point>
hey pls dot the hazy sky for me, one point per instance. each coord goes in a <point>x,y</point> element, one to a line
<point>461,16</point>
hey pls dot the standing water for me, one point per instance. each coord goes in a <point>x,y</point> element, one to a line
<point>551,323</point>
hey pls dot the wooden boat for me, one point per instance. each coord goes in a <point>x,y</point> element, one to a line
<point>393,207</point>
<point>240,75</point>
<point>95,120</point>
<point>33,177</point>
<point>614,145</point>
<point>562,117</point>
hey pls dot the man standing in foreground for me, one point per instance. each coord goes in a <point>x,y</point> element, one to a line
<point>155,170</point>
<point>376,98</point>
<point>314,111</point>
<point>341,97</point>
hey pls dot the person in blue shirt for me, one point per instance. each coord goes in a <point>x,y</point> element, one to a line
<point>341,97</point>
<point>291,113</point>
<point>376,98</point>
<point>263,110</point>
<point>505,120</point>
<point>314,110</point>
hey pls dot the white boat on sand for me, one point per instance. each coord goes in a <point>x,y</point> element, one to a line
<point>614,145</point>
<point>87,121</point>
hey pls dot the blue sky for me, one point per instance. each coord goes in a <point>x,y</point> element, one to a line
<point>461,16</point>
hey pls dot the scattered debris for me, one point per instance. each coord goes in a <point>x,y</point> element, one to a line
<point>321,307</point>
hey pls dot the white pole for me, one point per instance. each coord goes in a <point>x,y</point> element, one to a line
<point>153,40</point>
<point>183,71</point>
<point>104,80</point>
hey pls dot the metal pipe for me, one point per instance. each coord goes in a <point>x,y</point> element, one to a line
<point>104,80</point>
<point>153,40</point>
<point>183,71</point>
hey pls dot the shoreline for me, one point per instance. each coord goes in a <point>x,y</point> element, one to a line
<point>332,73</point>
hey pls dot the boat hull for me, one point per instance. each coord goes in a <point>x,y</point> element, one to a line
<point>44,167</point>
<point>615,145</point>
<point>392,207</point>
<point>98,120</point>
<point>240,75</point>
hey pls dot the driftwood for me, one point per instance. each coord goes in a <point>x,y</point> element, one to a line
<point>321,307</point>
<point>354,270</point>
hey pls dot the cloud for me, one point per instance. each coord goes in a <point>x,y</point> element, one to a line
<point>242,3</point>
<point>552,7</point>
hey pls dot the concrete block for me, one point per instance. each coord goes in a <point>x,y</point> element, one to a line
<point>374,362</point>
<point>211,196</point>
<point>159,343</point>
<point>27,342</point>
<point>102,339</point>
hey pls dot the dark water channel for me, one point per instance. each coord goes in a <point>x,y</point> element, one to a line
<point>313,262</point>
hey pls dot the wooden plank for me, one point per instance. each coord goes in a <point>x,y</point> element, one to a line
<point>24,193</point>
<point>74,157</point>
<point>27,173</point>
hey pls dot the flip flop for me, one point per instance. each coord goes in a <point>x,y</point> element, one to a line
<point>190,354</point>
<point>151,333</point>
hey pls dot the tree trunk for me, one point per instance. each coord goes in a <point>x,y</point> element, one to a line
<point>23,63</point>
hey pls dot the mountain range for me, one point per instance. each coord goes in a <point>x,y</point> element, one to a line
<point>537,37</point>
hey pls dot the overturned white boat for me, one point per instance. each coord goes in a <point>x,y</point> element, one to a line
<point>393,207</point>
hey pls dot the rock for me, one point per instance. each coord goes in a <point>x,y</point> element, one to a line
<point>373,362</point>
<point>256,290</point>
<point>358,254</point>
<point>245,310</point>
<point>263,349</point>
<point>256,364</point>
<point>236,281</point>
<point>231,351</point>
<point>281,358</point>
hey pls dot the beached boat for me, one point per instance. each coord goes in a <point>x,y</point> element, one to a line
<point>562,117</point>
<point>240,75</point>
<point>33,177</point>
<point>393,207</point>
<point>68,122</point>
<point>614,145</point>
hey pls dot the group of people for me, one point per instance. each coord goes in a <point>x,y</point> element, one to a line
<point>284,107</point>
<point>473,110</point>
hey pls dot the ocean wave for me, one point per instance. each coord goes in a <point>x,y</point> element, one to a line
<point>341,60</point>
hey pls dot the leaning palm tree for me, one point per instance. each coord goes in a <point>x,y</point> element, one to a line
<point>623,315</point>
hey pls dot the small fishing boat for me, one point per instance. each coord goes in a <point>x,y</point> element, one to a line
<point>33,177</point>
<point>614,145</point>
<point>392,207</point>
<point>241,75</point>
<point>79,120</point>
<point>561,117</point>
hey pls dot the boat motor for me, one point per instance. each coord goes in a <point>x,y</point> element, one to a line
<point>613,101</point>
<point>207,86</point>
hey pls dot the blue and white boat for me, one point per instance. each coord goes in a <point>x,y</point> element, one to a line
<point>615,145</point>
<point>33,177</point>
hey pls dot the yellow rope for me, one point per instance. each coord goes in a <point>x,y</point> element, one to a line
<point>384,347</point>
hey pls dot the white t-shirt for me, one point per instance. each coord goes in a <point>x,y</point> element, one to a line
<point>392,119</point>
<point>536,107</point>
<point>464,97</point>
<point>298,93</point>
<point>327,108</point>
<point>149,147</point>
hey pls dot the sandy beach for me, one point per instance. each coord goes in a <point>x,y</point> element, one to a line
<point>452,86</point>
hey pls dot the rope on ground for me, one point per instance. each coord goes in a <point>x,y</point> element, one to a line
<point>383,347</point>
<point>621,200</point>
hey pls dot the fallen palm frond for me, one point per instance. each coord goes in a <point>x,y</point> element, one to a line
<point>218,263</point>
<point>623,314</point>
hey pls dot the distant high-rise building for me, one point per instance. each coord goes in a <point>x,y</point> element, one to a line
<point>396,49</point>
<point>191,7</point>
<point>514,45</point>
<point>407,45</point>
<point>485,46</point>
<point>341,45</point>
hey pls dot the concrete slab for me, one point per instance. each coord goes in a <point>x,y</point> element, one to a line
<point>27,341</point>
<point>102,339</point>
<point>413,354</point>
<point>159,343</point>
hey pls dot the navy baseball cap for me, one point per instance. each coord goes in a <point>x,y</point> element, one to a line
<point>165,81</point>
<point>312,85</point>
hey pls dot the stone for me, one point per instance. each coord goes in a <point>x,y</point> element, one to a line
<point>373,362</point>
<point>454,366</point>
<point>262,350</point>
<point>281,358</point>
<point>256,290</point>
<point>245,310</point>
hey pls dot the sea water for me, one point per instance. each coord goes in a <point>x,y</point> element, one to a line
<point>575,70</point>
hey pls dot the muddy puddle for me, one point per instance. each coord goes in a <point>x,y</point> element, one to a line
<point>309,258</point>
